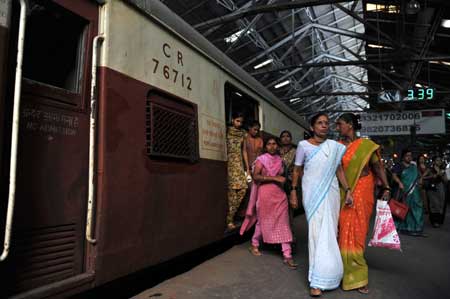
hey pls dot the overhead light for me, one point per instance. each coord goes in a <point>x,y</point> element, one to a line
<point>413,7</point>
<point>440,62</point>
<point>282,84</point>
<point>263,64</point>
<point>294,100</point>
<point>419,85</point>
<point>378,46</point>
<point>445,23</point>
<point>237,93</point>
<point>234,37</point>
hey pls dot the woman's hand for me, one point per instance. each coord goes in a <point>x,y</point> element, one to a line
<point>293,201</point>
<point>280,179</point>
<point>348,199</point>
<point>386,195</point>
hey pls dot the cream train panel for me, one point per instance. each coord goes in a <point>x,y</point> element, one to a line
<point>147,52</point>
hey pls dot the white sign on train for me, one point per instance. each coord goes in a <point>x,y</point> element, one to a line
<point>399,123</point>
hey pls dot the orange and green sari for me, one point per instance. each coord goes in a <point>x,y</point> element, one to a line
<point>354,221</point>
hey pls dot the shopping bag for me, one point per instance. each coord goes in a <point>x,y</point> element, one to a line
<point>384,233</point>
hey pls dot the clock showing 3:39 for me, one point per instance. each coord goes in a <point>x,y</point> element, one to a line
<point>420,94</point>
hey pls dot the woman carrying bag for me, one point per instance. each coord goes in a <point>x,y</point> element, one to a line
<point>407,177</point>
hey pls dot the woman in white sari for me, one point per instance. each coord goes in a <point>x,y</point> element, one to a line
<point>318,164</point>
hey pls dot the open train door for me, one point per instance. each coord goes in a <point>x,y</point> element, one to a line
<point>48,232</point>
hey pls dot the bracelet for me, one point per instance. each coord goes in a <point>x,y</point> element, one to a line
<point>294,188</point>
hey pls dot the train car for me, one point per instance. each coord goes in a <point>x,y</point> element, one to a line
<point>115,159</point>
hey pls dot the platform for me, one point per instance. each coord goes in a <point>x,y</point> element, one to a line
<point>420,271</point>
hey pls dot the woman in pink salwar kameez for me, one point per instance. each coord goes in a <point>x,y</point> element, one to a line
<point>268,205</point>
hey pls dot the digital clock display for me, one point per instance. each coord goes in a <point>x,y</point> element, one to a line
<point>420,94</point>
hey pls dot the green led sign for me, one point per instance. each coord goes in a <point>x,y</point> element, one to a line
<point>420,94</point>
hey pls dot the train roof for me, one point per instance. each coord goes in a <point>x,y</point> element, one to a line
<point>163,15</point>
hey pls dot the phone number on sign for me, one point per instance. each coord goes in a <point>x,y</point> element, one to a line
<point>390,116</point>
<point>388,129</point>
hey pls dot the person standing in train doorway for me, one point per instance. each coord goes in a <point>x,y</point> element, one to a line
<point>287,153</point>
<point>318,164</point>
<point>254,145</point>
<point>254,142</point>
<point>237,155</point>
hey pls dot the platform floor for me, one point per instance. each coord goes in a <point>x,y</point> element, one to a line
<point>422,270</point>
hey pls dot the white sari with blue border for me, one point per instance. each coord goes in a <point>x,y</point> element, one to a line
<point>321,200</point>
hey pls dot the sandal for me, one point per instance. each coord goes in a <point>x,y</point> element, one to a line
<point>254,250</point>
<point>364,290</point>
<point>290,263</point>
<point>313,292</point>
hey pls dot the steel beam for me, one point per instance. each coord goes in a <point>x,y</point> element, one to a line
<point>263,9</point>
<point>351,62</point>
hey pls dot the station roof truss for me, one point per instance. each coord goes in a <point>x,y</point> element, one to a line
<point>332,55</point>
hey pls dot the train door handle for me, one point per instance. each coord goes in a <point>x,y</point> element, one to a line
<point>15,132</point>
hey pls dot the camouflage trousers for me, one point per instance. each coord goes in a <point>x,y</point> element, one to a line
<point>235,197</point>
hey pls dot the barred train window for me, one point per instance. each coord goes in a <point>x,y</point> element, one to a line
<point>171,127</point>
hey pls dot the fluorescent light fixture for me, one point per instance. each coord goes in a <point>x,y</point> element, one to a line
<point>294,100</point>
<point>445,23</point>
<point>440,62</point>
<point>237,93</point>
<point>234,37</point>
<point>419,85</point>
<point>282,84</point>
<point>378,46</point>
<point>263,64</point>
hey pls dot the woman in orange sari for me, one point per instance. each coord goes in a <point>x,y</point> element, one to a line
<point>361,163</point>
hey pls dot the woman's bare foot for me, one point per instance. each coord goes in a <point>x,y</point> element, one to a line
<point>363,290</point>
<point>290,263</point>
<point>254,250</point>
<point>313,292</point>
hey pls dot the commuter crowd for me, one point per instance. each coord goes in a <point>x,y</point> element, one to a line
<point>338,183</point>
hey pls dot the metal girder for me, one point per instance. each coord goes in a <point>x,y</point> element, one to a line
<point>350,62</point>
<point>250,25</point>
<point>287,39</point>
<point>339,93</point>
<point>349,33</point>
<point>278,80</point>
<point>263,9</point>
<point>367,24</point>
<point>427,44</point>
<point>380,72</point>
<point>277,45</point>
<point>297,41</point>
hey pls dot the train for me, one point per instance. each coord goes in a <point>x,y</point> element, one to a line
<point>113,136</point>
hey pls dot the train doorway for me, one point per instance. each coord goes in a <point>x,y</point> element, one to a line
<point>52,165</point>
<point>238,101</point>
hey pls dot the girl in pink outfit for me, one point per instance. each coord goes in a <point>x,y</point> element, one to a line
<point>268,205</point>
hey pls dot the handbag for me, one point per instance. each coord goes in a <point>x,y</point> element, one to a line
<point>398,208</point>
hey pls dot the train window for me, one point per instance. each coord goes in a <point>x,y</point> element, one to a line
<point>171,127</point>
<point>54,42</point>
<point>238,101</point>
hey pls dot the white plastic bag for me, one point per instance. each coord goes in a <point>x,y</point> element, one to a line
<point>384,233</point>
